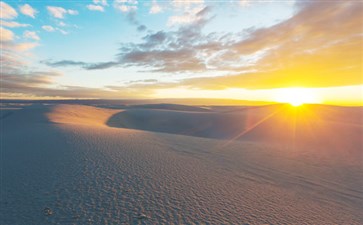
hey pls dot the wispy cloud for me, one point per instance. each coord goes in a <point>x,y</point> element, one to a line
<point>100,2</point>
<point>98,5</point>
<point>31,35</point>
<point>63,63</point>
<point>62,31</point>
<point>59,12</point>
<point>85,65</point>
<point>95,8</point>
<point>190,16</point>
<point>13,24</point>
<point>6,35</point>
<point>100,66</point>
<point>48,28</point>
<point>141,28</point>
<point>72,12</point>
<point>187,4</point>
<point>62,24</point>
<point>27,10</point>
<point>186,12</point>
<point>32,79</point>
<point>7,12</point>
<point>19,47</point>
<point>155,8</point>
<point>125,5</point>
<point>131,17</point>
<point>245,3</point>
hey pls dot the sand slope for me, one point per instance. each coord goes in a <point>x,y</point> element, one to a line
<point>311,125</point>
<point>69,159</point>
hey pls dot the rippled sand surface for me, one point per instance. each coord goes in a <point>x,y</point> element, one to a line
<point>74,164</point>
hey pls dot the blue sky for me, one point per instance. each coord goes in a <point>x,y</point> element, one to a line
<point>139,49</point>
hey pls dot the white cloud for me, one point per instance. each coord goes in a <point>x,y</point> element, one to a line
<point>28,10</point>
<point>48,28</point>
<point>95,8</point>
<point>62,24</point>
<point>12,24</point>
<point>187,17</point>
<point>125,5</point>
<point>52,29</point>
<point>155,8</point>
<point>186,11</point>
<point>59,12</point>
<point>187,3</point>
<point>6,35</point>
<point>244,3</point>
<point>72,12</point>
<point>183,19</point>
<point>7,38</point>
<point>62,31</point>
<point>7,12</point>
<point>23,47</point>
<point>100,2</point>
<point>19,47</point>
<point>31,35</point>
<point>126,8</point>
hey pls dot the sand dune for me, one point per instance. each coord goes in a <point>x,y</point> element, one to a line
<point>175,107</point>
<point>82,164</point>
<point>312,125</point>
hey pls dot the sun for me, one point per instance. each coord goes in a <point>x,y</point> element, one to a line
<point>296,96</point>
<point>296,103</point>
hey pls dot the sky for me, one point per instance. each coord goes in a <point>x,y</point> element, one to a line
<point>123,49</point>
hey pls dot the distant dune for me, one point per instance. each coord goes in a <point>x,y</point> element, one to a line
<point>174,107</point>
<point>131,102</point>
<point>179,164</point>
<point>337,127</point>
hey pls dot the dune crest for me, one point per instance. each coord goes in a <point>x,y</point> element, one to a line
<point>80,114</point>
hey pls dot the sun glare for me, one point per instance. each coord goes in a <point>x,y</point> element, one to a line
<point>296,103</point>
<point>296,96</point>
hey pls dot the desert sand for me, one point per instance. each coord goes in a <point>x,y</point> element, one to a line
<point>175,164</point>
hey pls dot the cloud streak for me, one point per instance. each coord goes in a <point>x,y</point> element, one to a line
<point>95,8</point>
<point>59,12</point>
<point>13,24</point>
<point>48,28</point>
<point>31,35</point>
<point>6,35</point>
<point>125,5</point>
<point>155,8</point>
<point>7,12</point>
